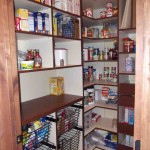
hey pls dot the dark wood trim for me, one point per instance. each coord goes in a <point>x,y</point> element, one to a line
<point>127,73</point>
<point>100,19</point>
<point>123,147</point>
<point>88,38</point>
<point>110,60</point>
<point>9,91</point>
<point>126,129</point>
<point>126,101</point>
<point>36,108</point>
<point>33,33</point>
<point>127,29</point>
<point>67,38</point>
<point>127,53</point>
<point>66,12</point>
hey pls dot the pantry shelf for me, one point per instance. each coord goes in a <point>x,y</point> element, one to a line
<point>65,13</point>
<point>127,53</point>
<point>103,124</point>
<point>109,60</point>
<point>100,147</point>
<point>99,82</point>
<point>25,35</point>
<point>39,107</point>
<point>30,5</point>
<point>88,22</point>
<point>127,73</point>
<point>127,29</point>
<point>64,39</point>
<point>68,66</point>
<point>34,70</point>
<point>100,104</point>
<point>96,40</point>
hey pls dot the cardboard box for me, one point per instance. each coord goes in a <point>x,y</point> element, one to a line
<point>22,13</point>
<point>56,85</point>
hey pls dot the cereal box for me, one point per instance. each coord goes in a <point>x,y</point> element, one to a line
<point>56,85</point>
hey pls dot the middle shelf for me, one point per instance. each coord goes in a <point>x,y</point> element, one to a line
<point>102,123</point>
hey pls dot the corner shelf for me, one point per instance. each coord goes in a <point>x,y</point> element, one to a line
<point>39,107</point>
<point>124,147</point>
<point>102,124</point>
<point>100,104</point>
<point>64,39</point>
<point>109,60</point>
<point>127,73</point>
<point>65,12</point>
<point>99,82</point>
<point>88,22</point>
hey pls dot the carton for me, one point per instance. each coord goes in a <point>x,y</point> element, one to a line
<point>56,85</point>
<point>22,13</point>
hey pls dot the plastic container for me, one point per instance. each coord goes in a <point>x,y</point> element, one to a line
<point>27,65</point>
<point>61,54</point>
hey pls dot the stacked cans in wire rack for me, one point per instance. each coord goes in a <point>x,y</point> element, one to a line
<point>109,74</point>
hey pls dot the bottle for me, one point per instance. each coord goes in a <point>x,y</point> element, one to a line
<point>104,31</point>
<point>37,60</point>
<point>29,56</point>
<point>106,54</point>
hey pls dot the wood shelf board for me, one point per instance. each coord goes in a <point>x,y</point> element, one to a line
<point>127,53</point>
<point>100,104</point>
<point>100,61</point>
<point>25,35</point>
<point>35,70</point>
<point>65,13</point>
<point>97,40</point>
<point>102,147</point>
<point>96,4</point>
<point>128,29</point>
<point>102,124</point>
<point>64,39</point>
<point>125,128</point>
<point>124,147</point>
<point>30,5</point>
<point>99,82</point>
<point>126,73</point>
<point>88,22</point>
<point>68,66</point>
<point>39,107</point>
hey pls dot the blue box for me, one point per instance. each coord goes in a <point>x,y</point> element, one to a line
<point>38,22</point>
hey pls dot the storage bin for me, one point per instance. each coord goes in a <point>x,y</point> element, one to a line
<point>69,140</point>
<point>67,119</point>
<point>36,135</point>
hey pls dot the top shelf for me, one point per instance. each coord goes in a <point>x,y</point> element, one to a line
<point>96,4</point>
<point>39,107</point>
<point>30,5</point>
<point>88,22</point>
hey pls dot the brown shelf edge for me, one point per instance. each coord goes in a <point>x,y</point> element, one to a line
<point>33,33</point>
<point>100,19</point>
<point>39,3</point>
<point>127,73</point>
<point>126,129</point>
<point>67,38</point>
<point>42,106</point>
<point>127,53</point>
<point>100,61</point>
<point>96,39</point>
<point>127,29</point>
<point>66,12</point>
<point>124,147</point>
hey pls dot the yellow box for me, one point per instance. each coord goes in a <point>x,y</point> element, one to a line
<point>56,85</point>
<point>22,13</point>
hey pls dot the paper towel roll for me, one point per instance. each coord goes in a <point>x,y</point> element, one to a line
<point>61,54</point>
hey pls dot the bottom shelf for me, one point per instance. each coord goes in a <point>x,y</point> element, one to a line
<point>100,147</point>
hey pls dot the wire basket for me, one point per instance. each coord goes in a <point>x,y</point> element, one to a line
<point>67,119</point>
<point>36,135</point>
<point>69,140</point>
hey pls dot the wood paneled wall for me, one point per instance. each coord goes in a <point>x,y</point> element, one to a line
<point>142,103</point>
<point>10,125</point>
